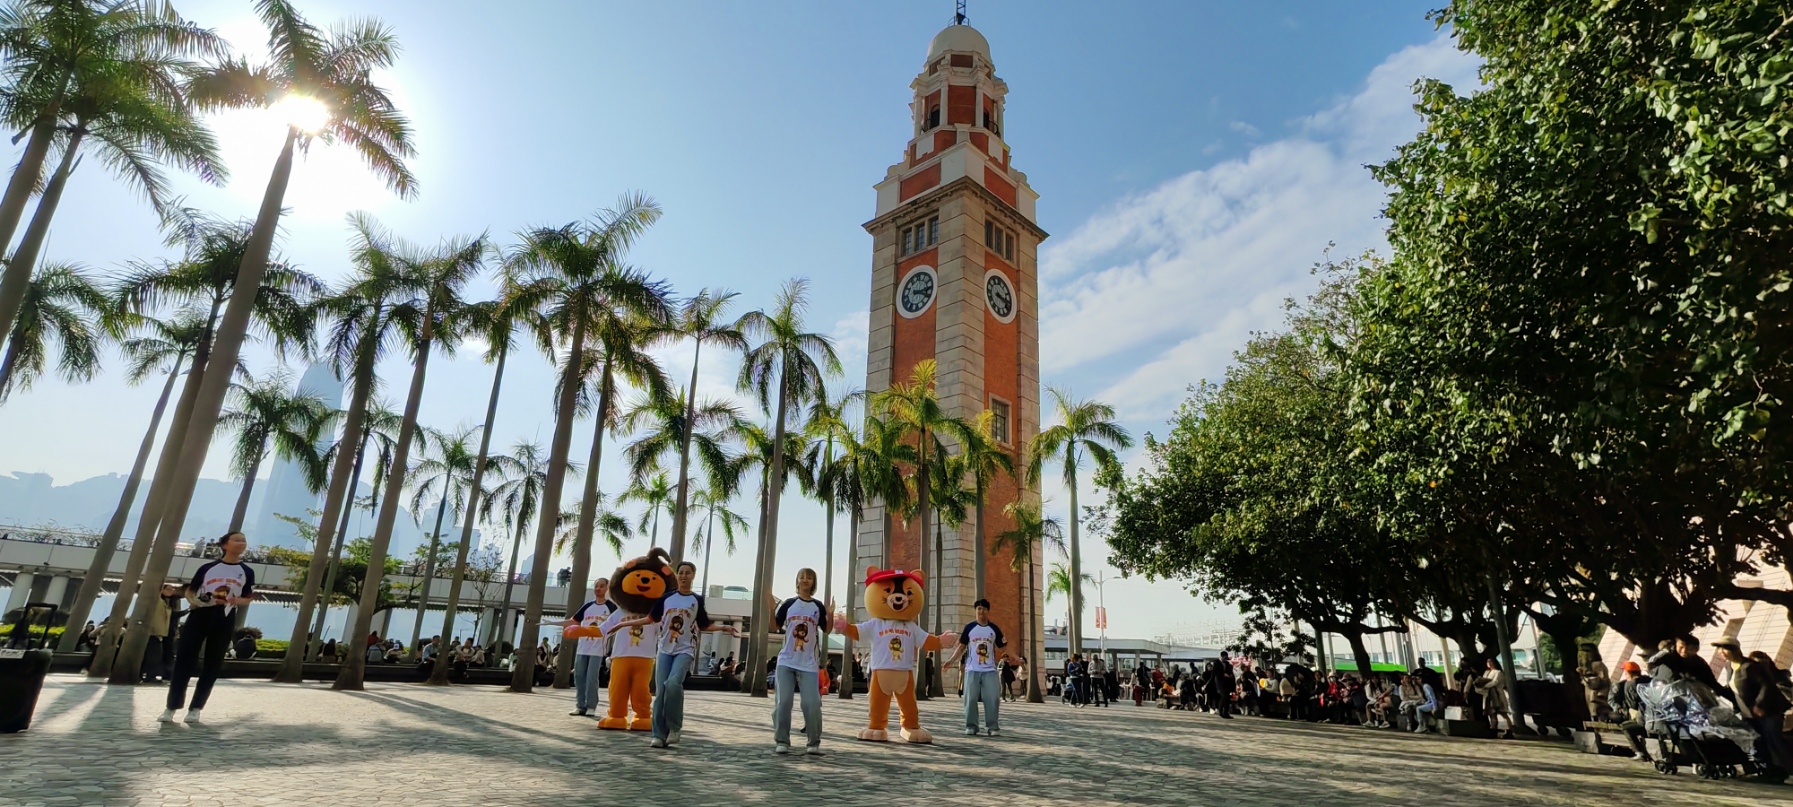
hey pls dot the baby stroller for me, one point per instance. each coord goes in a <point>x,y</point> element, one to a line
<point>1693,726</point>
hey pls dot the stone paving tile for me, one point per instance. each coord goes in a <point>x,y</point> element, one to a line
<point>262,743</point>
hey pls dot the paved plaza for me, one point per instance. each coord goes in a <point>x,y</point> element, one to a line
<point>405,744</point>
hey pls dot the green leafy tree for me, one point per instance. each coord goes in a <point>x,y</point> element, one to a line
<point>60,307</point>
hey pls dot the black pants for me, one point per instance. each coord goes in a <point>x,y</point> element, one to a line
<point>152,658</point>
<point>207,628</point>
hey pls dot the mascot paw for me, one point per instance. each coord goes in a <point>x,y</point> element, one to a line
<point>874,735</point>
<point>613,723</point>
<point>641,724</point>
<point>917,736</point>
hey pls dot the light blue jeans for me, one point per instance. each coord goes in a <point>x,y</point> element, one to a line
<point>982,687</point>
<point>585,681</point>
<point>669,693</point>
<point>791,683</point>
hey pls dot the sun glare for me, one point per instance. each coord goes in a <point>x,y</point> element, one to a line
<point>304,113</point>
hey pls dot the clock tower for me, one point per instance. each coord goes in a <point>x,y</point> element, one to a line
<point>954,279</point>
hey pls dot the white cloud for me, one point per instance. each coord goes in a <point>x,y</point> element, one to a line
<point>1171,281</point>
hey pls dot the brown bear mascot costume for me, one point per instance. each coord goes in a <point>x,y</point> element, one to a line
<point>635,587</point>
<point>893,598</point>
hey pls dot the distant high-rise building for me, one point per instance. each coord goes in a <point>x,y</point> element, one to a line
<point>286,490</point>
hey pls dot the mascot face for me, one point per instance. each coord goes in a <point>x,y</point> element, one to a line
<point>641,582</point>
<point>893,594</point>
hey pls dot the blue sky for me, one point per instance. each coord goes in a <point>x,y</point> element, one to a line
<point>1193,160</point>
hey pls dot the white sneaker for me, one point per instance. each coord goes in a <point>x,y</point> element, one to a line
<point>192,715</point>
<point>167,716</point>
<point>970,732</point>
<point>672,737</point>
<point>993,733</point>
<point>657,743</point>
<point>814,751</point>
<point>781,748</point>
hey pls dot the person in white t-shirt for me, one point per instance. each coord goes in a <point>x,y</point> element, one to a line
<point>979,644</point>
<point>588,664</point>
<point>803,621</point>
<point>218,589</point>
<point>680,616</point>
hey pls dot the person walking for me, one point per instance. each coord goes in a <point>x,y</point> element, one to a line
<point>680,616</point>
<point>588,661</point>
<point>978,645</point>
<point>215,593</point>
<point>1098,674</point>
<point>803,621</point>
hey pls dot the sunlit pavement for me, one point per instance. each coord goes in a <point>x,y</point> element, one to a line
<point>405,744</point>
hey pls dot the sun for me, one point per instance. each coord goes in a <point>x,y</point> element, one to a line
<point>307,114</point>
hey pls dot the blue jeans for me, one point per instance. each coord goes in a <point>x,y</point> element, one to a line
<point>585,681</point>
<point>792,683</point>
<point>669,693</point>
<point>981,687</point>
<point>1420,714</point>
<point>1771,747</point>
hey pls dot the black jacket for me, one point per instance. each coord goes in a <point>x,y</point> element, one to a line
<point>1754,685</point>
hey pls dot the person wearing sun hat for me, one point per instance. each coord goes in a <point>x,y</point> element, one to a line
<point>1762,706</point>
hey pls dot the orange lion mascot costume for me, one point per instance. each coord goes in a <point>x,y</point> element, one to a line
<point>635,587</point>
<point>893,598</point>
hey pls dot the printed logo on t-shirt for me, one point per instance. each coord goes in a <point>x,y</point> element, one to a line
<point>896,649</point>
<point>635,636</point>
<point>800,635</point>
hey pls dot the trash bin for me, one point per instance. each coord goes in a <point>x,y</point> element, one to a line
<point>23,665</point>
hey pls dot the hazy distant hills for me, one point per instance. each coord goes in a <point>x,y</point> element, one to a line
<point>31,499</point>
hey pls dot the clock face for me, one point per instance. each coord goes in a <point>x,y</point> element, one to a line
<point>999,295</point>
<point>916,292</point>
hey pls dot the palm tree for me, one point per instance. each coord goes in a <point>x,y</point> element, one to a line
<point>914,407</point>
<point>1085,428</point>
<point>499,321</point>
<point>1058,581</point>
<point>654,494</point>
<point>574,274</point>
<point>164,349</point>
<point>874,463</point>
<point>1030,529</point>
<point>429,319</point>
<point>60,306</point>
<point>672,426</point>
<point>447,474</point>
<point>794,359</point>
<point>759,452</point>
<point>107,70</point>
<point>622,338</point>
<point>516,501</point>
<point>369,312</point>
<point>984,458</point>
<point>713,502</point>
<point>335,71</point>
<point>826,424</point>
<point>271,410</point>
<point>605,523</point>
<point>700,319</point>
<point>204,280</point>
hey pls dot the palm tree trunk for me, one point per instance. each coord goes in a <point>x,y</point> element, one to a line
<point>678,513</point>
<point>852,604</point>
<point>154,505</point>
<point>242,509</point>
<point>502,622</point>
<point>937,678</point>
<point>588,515</point>
<point>977,562</point>
<point>439,673</point>
<point>337,503</point>
<point>350,676</point>
<point>316,650</point>
<point>523,675</point>
<point>7,364</point>
<point>769,547</point>
<point>1076,592</point>
<point>709,544</point>
<point>38,230</point>
<point>1035,637</point>
<point>928,680</point>
<point>828,532</point>
<point>756,650</point>
<point>12,208</point>
<point>232,330</point>
<point>102,557</point>
<point>429,573</point>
